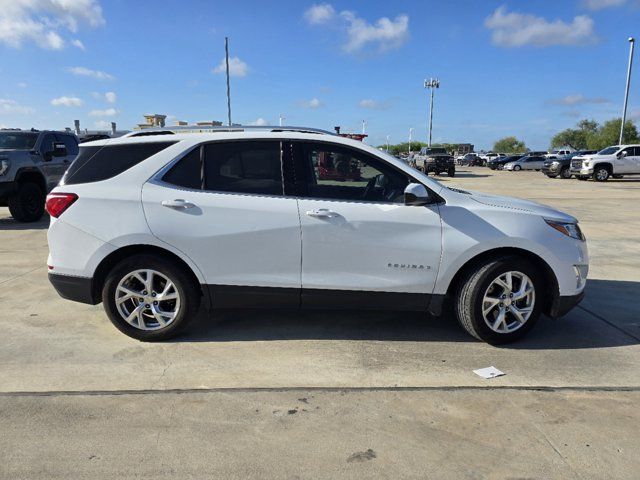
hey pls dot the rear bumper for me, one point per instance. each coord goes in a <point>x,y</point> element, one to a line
<point>78,289</point>
<point>561,305</point>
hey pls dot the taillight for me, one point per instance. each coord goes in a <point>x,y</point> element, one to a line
<point>57,203</point>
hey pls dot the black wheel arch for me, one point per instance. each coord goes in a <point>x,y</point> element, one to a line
<point>107,263</point>
<point>33,175</point>
<point>549,277</point>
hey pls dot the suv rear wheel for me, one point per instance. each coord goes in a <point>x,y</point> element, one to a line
<point>500,301</point>
<point>27,204</point>
<point>150,298</point>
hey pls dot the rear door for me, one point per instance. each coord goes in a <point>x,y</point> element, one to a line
<point>534,163</point>
<point>223,205</point>
<point>361,246</point>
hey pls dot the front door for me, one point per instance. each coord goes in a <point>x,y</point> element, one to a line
<point>223,206</point>
<point>361,246</point>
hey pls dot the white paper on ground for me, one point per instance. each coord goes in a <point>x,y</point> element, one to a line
<point>489,372</point>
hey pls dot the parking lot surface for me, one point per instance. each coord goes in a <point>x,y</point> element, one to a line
<point>325,394</point>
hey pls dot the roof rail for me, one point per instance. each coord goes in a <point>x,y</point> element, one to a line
<point>218,129</point>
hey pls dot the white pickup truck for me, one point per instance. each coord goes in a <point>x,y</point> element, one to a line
<point>615,161</point>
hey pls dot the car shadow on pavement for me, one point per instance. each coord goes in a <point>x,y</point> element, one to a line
<point>8,223</point>
<point>583,328</point>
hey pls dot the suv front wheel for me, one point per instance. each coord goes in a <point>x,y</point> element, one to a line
<point>601,173</point>
<point>27,204</point>
<point>150,298</point>
<point>501,300</point>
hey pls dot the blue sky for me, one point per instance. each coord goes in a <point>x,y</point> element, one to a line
<point>506,67</point>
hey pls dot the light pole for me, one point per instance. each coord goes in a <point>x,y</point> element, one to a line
<point>282,119</point>
<point>431,84</point>
<point>410,133</point>
<point>388,137</point>
<point>632,42</point>
<point>364,127</point>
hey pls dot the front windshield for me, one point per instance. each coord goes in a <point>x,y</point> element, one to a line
<point>608,151</point>
<point>18,140</point>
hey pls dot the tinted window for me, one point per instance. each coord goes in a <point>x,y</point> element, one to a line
<point>187,172</point>
<point>18,140</point>
<point>101,162</point>
<point>243,167</point>
<point>47,143</point>
<point>69,142</point>
<point>336,173</point>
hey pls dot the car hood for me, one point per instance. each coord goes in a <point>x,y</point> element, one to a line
<point>518,204</point>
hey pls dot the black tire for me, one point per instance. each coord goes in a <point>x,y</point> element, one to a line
<point>601,173</point>
<point>188,289</point>
<point>517,168</point>
<point>470,293</point>
<point>451,172</point>
<point>27,204</point>
<point>551,175</point>
<point>565,173</point>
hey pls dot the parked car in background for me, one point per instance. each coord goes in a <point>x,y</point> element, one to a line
<point>32,163</point>
<point>561,166</point>
<point>154,226</point>
<point>469,160</point>
<point>529,162</point>
<point>615,161</point>
<point>436,160</point>
<point>559,153</point>
<point>500,162</point>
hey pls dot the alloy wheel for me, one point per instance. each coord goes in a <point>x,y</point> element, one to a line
<point>508,302</point>
<point>147,299</point>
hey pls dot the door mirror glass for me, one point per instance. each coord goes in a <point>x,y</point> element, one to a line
<point>416,194</point>
<point>59,149</point>
<point>622,154</point>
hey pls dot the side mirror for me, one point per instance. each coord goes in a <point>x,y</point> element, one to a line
<point>59,149</point>
<point>416,194</point>
<point>621,154</point>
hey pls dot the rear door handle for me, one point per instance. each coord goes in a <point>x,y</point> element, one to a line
<point>178,204</point>
<point>321,213</point>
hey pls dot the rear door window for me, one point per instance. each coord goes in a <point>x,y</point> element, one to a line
<point>96,163</point>
<point>253,167</point>
<point>69,142</point>
<point>187,172</point>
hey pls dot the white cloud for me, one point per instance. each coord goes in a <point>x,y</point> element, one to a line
<point>237,68</point>
<point>260,122</point>
<point>66,102</point>
<point>319,13</point>
<point>313,103</point>
<point>511,29</point>
<point>109,112</point>
<point>87,72</point>
<point>110,97</point>
<point>11,106</point>
<point>577,100</point>
<point>600,4</point>
<point>370,103</point>
<point>387,34</point>
<point>44,22</point>
<point>77,43</point>
<point>23,84</point>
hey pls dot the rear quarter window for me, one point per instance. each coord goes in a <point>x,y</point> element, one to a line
<point>96,163</point>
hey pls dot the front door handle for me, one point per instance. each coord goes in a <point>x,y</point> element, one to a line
<point>178,204</point>
<point>321,213</point>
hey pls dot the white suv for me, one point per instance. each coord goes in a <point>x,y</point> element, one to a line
<point>154,225</point>
<point>615,161</point>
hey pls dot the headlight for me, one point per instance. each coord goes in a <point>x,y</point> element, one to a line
<point>555,164</point>
<point>569,229</point>
<point>4,166</point>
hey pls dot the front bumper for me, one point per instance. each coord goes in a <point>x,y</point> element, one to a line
<point>77,289</point>
<point>561,305</point>
<point>585,172</point>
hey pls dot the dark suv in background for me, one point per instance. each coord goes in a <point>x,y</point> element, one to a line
<point>32,162</point>
<point>561,166</point>
<point>499,162</point>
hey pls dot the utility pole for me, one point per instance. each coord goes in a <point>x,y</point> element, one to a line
<point>364,125</point>
<point>226,50</point>
<point>410,134</point>
<point>282,119</point>
<point>431,84</point>
<point>632,42</point>
<point>388,137</point>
